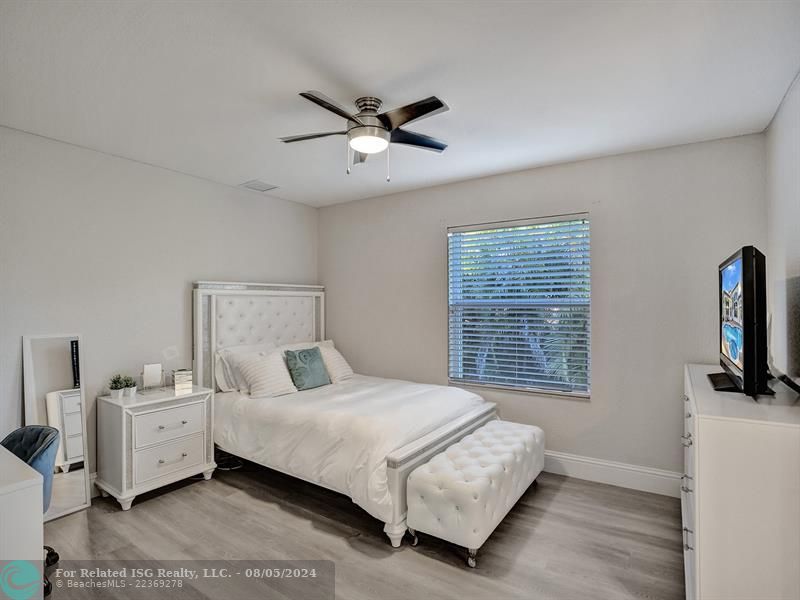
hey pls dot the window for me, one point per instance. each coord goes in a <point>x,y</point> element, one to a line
<point>519,298</point>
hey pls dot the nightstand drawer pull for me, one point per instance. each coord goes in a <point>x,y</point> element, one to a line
<point>168,458</point>
<point>181,424</point>
<point>163,461</point>
<point>168,424</point>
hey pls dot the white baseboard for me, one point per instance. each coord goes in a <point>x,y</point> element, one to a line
<point>646,479</point>
<point>92,488</point>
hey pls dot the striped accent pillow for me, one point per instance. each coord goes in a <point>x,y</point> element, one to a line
<point>267,376</point>
<point>337,366</point>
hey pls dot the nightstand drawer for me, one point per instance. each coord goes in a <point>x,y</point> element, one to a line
<point>167,424</point>
<point>158,461</point>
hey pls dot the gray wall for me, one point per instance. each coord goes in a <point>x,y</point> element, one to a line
<point>783,252</point>
<point>661,222</point>
<point>108,248</point>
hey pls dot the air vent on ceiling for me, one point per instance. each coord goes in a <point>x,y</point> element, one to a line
<point>258,186</point>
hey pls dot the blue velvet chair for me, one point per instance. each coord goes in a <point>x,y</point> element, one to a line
<point>37,445</point>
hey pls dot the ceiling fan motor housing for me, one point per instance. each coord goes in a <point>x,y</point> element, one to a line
<point>372,127</point>
<point>368,104</point>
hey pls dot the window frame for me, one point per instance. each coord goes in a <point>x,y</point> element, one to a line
<point>536,391</point>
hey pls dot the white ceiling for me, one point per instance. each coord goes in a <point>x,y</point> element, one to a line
<point>206,88</point>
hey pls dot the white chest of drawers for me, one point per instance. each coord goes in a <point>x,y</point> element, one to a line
<point>64,413</point>
<point>153,439</point>
<point>740,497</point>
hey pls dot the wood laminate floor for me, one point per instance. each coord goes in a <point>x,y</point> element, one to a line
<point>566,539</point>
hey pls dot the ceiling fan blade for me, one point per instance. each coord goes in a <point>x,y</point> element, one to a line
<point>428,107</point>
<point>401,136</point>
<point>309,136</point>
<point>331,105</point>
<point>359,157</point>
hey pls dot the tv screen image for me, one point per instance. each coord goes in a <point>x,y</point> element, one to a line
<point>732,330</point>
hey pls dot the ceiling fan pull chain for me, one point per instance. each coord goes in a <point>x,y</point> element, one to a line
<point>388,177</point>
<point>347,152</point>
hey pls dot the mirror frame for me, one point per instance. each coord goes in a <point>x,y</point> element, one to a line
<point>29,390</point>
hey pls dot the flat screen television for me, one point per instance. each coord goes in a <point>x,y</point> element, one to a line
<point>743,324</point>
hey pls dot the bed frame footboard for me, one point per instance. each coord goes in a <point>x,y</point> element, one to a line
<point>407,458</point>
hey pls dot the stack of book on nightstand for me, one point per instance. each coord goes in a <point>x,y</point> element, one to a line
<point>183,381</point>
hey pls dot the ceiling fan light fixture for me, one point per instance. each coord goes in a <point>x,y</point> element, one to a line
<point>368,140</point>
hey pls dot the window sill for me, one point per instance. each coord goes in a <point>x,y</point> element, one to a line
<point>519,390</point>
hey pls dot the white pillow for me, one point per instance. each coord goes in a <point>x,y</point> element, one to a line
<point>231,358</point>
<point>267,376</point>
<point>224,379</point>
<point>336,365</point>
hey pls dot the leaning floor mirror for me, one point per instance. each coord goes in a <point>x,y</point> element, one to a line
<point>52,374</point>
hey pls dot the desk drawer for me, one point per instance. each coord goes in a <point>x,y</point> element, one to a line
<point>73,424</point>
<point>171,457</point>
<point>71,403</point>
<point>74,447</point>
<point>168,424</point>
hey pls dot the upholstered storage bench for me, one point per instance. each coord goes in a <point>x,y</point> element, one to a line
<point>462,494</point>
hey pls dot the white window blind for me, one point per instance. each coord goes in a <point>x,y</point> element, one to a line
<point>519,297</point>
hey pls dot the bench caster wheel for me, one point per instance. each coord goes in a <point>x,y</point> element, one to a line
<point>414,537</point>
<point>472,558</point>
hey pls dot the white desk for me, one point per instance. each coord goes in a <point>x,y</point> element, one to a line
<point>21,521</point>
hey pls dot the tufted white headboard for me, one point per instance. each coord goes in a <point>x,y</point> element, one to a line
<point>232,314</point>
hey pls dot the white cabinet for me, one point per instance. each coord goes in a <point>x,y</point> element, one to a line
<point>64,413</point>
<point>740,496</point>
<point>152,439</point>
<point>21,529</point>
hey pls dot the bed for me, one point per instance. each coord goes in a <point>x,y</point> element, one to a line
<point>360,437</point>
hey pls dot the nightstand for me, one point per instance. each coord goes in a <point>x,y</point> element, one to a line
<point>152,439</point>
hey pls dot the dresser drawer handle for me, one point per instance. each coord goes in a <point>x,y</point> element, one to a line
<point>163,461</point>
<point>685,398</point>
<point>683,536</point>
<point>163,427</point>
<point>687,476</point>
<point>686,489</point>
<point>688,415</point>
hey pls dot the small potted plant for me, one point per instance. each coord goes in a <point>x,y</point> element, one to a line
<point>116,385</point>
<point>130,386</point>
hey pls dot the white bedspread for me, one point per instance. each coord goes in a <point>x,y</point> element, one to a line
<point>338,435</point>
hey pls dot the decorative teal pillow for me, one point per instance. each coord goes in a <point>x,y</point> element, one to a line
<point>306,368</point>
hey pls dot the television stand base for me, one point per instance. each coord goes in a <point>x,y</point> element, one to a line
<point>722,383</point>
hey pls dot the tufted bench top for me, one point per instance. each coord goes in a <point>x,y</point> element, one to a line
<point>463,493</point>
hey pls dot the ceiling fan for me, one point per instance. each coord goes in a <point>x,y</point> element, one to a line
<point>369,132</point>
